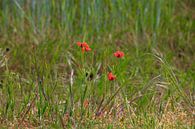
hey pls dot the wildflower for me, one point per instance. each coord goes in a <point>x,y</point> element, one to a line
<point>119,54</point>
<point>111,77</point>
<point>86,104</point>
<point>84,46</point>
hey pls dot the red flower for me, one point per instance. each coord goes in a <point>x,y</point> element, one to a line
<point>84,46</point>
<point>111,77</point>
<point>119,54</point>
<point>86,104</point>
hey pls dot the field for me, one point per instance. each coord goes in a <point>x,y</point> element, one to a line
<point>97,64</point>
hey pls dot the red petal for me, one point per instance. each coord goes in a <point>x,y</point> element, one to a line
<point>111,76</point>
<point>83,49</point>
<point>115,54</point>
<point>119,54</point>
<point>79,44</point>
<point>87,49</point>
<point>84,44</point>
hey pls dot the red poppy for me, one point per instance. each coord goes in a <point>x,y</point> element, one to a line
<point>86,104</point>
<point>119,54</point>
<point>84,46</point>
<point>111,77</point>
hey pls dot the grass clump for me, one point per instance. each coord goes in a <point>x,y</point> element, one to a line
<point>135,69</point>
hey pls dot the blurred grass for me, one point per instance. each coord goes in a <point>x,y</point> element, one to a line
<point>45,79</point>
<point>86,17</point>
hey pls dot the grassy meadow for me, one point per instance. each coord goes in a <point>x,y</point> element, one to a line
<point>48,81</point>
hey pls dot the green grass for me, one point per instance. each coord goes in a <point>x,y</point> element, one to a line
<point>47,82</point>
